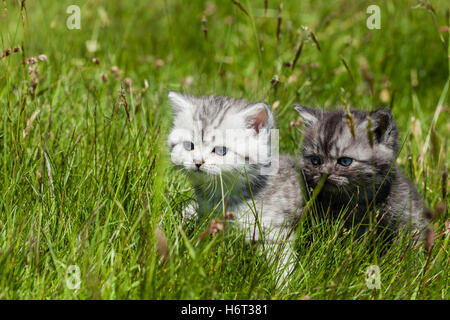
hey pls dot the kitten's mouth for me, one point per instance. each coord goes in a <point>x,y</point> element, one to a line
<point>202,172</point>
<point>330,187</point>
<point>333,184</point>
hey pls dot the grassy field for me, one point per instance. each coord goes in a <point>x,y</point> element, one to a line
<point>85,172</point>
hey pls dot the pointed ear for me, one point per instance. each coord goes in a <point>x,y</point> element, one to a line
<point>179,101</point>
<point>383,125</point>
<point>309,115</point>
<point>259,117</point>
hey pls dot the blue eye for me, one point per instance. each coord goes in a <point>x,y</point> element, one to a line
<point>188,145</point>
<point>316,160</point>
<point>344,161</point>
<point>221,151</point>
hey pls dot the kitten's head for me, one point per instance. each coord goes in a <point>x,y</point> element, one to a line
<point>215,135</point>
<point>353,163</point>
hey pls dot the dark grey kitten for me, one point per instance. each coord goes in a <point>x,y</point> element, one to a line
<point>362,175</point>
<point>224,145</point>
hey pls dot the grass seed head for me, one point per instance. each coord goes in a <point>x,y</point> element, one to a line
<point>31,60</point>
<point>275,105</point>
<point>215,227</point>
<point>42,57</point>
<point>439,210</point>
<point>114,69</point>
<point>161,244</point>
<point>228,20</point>
<point>429,214</point>
<point>145,85</point>
<point>384,95</point>
<point>279,21</point>
<point>350,120</point>
<point>159,63</point>
<point>275,80</point>
<point>349,117</point>
<point>30,123</point>
<point>429,239</point>
<point>127,82</point>
<point>444,181</point>
<point>297,123</point>
<point>205,27</point>
<point>241,7</point>
<point>188,81</point>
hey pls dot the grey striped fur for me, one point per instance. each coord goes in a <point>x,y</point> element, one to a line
<point>372,184</point>
<point>269,201</point>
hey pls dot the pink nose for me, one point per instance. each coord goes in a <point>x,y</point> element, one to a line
<point>198,164</point>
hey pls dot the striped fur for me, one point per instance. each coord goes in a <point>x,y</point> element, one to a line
<point>271,202</point>
<point>372,184</point>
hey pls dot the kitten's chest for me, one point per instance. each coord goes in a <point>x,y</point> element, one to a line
<point>245,210</point>
<point>234,203</point>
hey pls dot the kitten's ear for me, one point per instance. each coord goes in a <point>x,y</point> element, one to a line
<point>179,101</point>
<point>309,115</point>
<point>258,117</point>
<point>383,125</point>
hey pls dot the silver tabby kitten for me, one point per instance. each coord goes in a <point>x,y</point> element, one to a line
<point>362,174</point>
<point>224,146</point>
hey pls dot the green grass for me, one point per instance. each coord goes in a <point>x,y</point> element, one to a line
<point>91,179</point>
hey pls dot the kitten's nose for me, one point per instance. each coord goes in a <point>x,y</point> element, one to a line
<point>198,164</point>
<point>327,169</point>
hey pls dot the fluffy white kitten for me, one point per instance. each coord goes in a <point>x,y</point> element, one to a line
<point>225,146</point>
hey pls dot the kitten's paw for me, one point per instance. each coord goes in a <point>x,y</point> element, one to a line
<point>284,257</point>
<point>189,213</point>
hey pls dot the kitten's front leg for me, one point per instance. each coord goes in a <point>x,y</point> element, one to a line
<point>190,213</point>
<point>277,244</point>
<point>283,255</point>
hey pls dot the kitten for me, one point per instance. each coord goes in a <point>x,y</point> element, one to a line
<point>362,175</point>
<point>221,141</point>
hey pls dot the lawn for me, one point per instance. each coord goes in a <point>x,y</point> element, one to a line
<point>89,201</point>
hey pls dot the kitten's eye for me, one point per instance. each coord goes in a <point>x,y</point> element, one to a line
<point>316,160</point>
<point>344,161</point>
<point>221,151</point>
<point>188,145</point>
